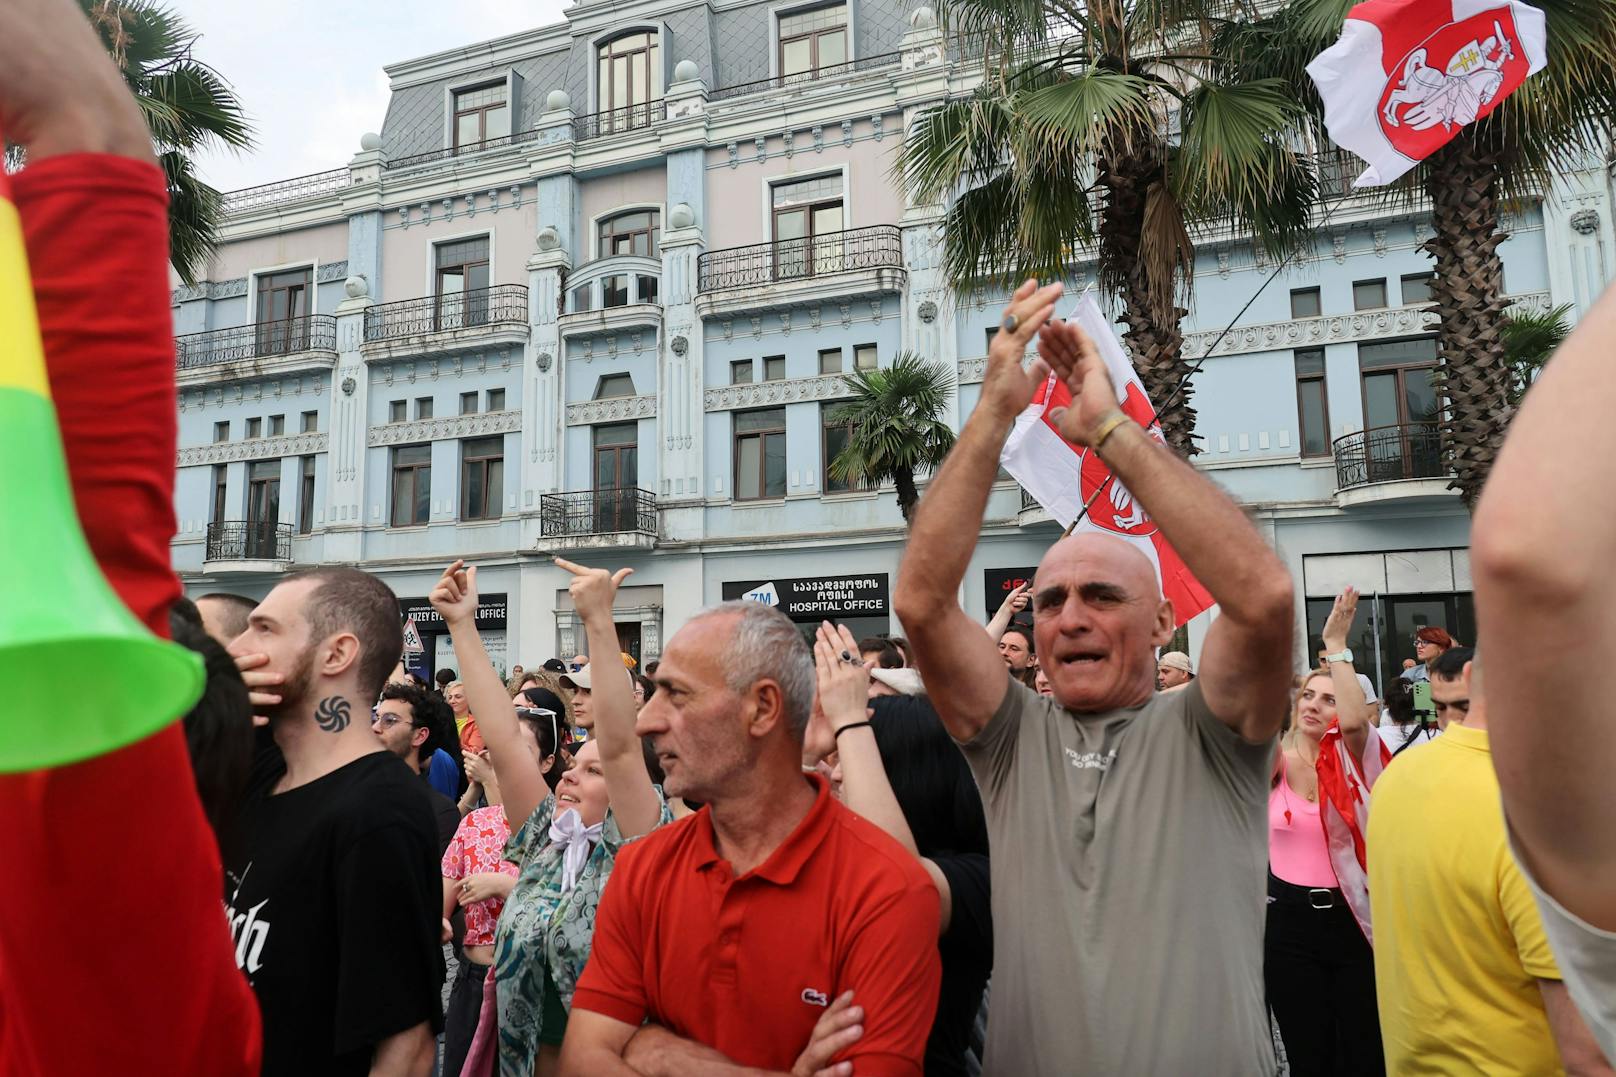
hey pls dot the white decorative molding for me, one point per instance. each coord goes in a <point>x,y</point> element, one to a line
<point>613,409</point>
<point>448,428</point>
<point>1311,332</point>
<point>225,452</point>
<point>765,394</point>
<point>973,370</point>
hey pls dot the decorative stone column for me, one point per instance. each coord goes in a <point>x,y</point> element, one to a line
<point>680,412</point>
<point>348,413</point>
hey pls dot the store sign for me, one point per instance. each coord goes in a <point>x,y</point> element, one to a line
<point>490,614</point>
<point>997,583</point>
<point>816,598</point>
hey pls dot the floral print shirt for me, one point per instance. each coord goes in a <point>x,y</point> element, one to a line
<point>478,846</point>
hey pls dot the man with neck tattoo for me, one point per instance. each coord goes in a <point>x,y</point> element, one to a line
<point>332,894</point>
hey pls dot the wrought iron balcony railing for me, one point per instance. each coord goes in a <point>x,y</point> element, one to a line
<point>248,540</point>
<point>1389,454</point>
<point>616,121</point>
<point>503,142</point>
<point>822,74</point>
<point>854,249</point>
<point>598,512</point>
<point>287,190</point>
<point>262,340</point>
<point>502,304</point>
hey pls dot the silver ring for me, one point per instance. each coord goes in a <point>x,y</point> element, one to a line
<point>846,657</point>
<point>1010,323</point>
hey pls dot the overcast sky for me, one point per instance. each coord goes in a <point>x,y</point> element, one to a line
<point>309,72</point>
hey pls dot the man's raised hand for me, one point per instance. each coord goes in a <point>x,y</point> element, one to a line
<point>259,682</point>
<point>455,596</point>
<point>839,1028</point>
<point>592,589</point>
<point>1076,361</point>
<point>1007,388</point>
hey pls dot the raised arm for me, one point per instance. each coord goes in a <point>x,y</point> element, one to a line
<point>1541,547</point>
<point>629,790</point>
<point>966,677</point>
<point>521,783</point>
<point>1246,659</point>
<point>1351,705</point>
<point>1013,603</point>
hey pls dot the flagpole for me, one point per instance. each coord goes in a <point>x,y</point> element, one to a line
<point>1196,369</point>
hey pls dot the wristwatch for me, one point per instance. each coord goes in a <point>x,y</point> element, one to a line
<point>1343,655</point>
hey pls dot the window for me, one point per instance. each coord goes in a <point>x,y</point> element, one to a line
<point>311,422</point>
<point>462,276</point>
<point>468,403</point>
<point>263,506</point>
<point>396,411</point>
<point>255,428</point>
<point>647,286</point>
<point>614,290</point>
<point>864,357</point>
<point>834,440</point>
<point>992,331</point>
<point>774,368</point>
<point>582,299</point>
<point>1305,303</point>
<point>636,232</point>
<point>1312,404</point>
<point>614,385</point>
<point>811,40</point>
<point>412,484</point>
<point>807,226</point>
<point>1368,294</point>
<point>283,308</point>
<point>617,473</point>
<point>220,478</point>
<point>760,454</point>
<point>740,372</point>
<point>221,431</point>
<point>627,80</point>
<point>423,407</point>
<point>305,497</point>
<point>496,400</point>
<point>1398,382</point>
<point>1416,288</point>
<point>277,425</point>
<point>480,113</point>
<point>482,477</point>
<point>830,361</point>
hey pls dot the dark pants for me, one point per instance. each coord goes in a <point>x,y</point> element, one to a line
<point>460,1023</point>
<point>1320,974</point>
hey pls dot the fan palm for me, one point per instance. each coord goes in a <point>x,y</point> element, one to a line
<point>1112,124</point>
<point>1530,337</point>
<point>1554,123</point>
<point>895,426</point>
<point>188,107</point>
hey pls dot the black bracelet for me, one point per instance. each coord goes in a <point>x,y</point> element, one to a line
<point>853,725</point>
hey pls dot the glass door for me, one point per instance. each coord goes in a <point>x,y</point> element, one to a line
<point>283,307</point>
<point>617,474</point>
<point>263,507</point>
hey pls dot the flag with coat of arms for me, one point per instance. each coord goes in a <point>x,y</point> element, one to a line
<point>1406,75</point>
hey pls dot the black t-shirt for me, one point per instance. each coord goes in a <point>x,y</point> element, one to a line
<point>445,811</point>
<point>334,902</point>
<point>967,954</point>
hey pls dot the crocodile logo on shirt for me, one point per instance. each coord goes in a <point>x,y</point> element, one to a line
<point>815,998</point>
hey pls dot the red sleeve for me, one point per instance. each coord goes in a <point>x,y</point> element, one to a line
<point>115,956</point>
<point>894,971</point>
<point>613,982</point>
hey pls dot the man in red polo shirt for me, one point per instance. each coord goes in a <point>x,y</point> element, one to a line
<point>728,942</point>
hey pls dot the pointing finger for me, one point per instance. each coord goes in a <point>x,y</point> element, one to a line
<point>576,570</point>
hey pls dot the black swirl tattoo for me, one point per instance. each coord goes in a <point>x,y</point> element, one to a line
<point>332,714</point>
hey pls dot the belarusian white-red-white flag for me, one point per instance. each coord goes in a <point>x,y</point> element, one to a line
<point>1062,476</point>
<point>1406,75</point>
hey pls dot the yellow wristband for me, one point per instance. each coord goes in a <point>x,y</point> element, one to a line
<point>1106,428</point>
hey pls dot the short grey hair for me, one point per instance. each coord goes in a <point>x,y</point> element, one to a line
<point>767,645</point>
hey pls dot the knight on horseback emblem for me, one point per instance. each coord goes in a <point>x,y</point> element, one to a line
<point>1455,95</point>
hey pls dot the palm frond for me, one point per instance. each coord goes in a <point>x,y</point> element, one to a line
<point>194,212</point>
<point>1530,338</point>
<point>895,420</point>
<point>196,108</point>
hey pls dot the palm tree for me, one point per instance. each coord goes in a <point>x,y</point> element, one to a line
<point>1554,123</point>
<point>1530,337</point>
<point>1123,134</point>
<point>188,107</point>
<point>895,427</point>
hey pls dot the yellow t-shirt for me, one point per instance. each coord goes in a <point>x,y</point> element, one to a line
<point>1459,946</point>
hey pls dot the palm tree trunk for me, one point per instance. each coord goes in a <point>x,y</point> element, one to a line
<point>908,496</point>
<point>1468,292</point>
<point>1157,344</point>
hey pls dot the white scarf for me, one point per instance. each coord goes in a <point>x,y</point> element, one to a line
<point>576,841</point>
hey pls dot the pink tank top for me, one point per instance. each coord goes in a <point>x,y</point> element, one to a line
<point>1296,850</point>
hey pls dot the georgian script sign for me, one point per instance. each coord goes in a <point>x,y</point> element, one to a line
<point>814,598</point>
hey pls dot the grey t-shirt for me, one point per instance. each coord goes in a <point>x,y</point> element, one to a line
<point>1129,866</point>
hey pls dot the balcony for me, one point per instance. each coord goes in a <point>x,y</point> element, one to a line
<point>612,295</point>
<point>255,350</point>
<point>247,546</point>
<point>619,120</point>
<point>469,149</point>
<point>1390,464</point>
<point>834,75</point>
<point>611,518</point>
<point>857,261</point>
<point>297,189</point>
<point>453,321</point>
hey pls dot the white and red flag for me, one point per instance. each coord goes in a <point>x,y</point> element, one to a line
<point>1344,786</point>
<point>1062,476</point>
<point>1406,75</point>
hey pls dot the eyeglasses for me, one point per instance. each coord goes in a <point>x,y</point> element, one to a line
<point>1418,642</point>
<point>388,721</point>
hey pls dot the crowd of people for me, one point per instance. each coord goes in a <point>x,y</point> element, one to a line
<point>1041,848</point>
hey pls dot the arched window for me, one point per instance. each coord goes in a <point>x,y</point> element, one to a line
<point>626,71</point>
<point>634,232</point>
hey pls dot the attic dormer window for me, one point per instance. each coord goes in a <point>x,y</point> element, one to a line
<point>481,113</point>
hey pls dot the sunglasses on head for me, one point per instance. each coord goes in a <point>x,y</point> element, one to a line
<point>544,712</point>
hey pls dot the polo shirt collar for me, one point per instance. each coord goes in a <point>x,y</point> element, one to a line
<point>1465,737</point>
<point>784,864</point>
